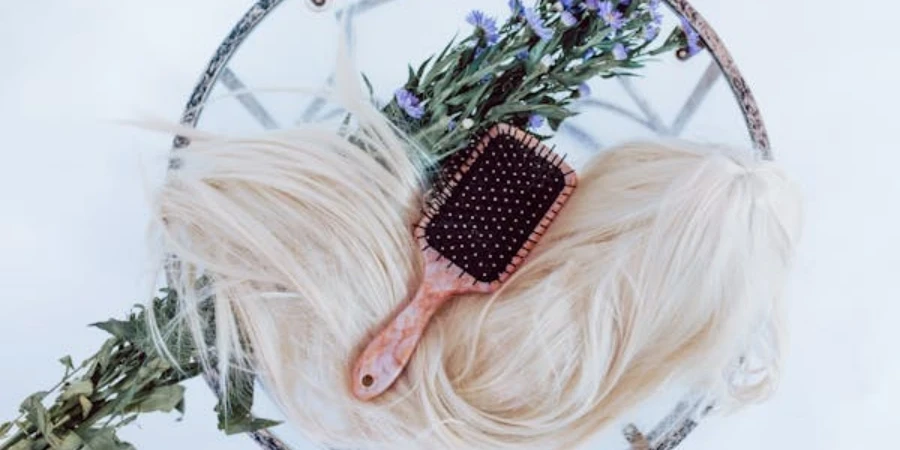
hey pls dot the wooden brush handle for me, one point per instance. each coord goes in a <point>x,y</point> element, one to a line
<point>382,362</point>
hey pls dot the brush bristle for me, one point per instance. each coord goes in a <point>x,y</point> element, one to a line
<point>487,216</point>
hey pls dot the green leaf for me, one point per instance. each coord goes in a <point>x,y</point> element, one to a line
<point>439,64</point>
<point>421,70</point>
<point>126,330</point>
<point>4,428</point>
<point>71,442</point>
<point>24,444</point>
<point>67,362</point>
<point>37,415</point>
<point>368,85</point>
<point>548,111</point>
<point>162,399</point>
<point>102,439</point>
<point>83,387</point>
<point>413,81</point>
<point>248,425</point>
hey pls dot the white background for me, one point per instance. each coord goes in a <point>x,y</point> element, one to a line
<point>72,205</point>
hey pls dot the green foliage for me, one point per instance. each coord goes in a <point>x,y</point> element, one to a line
<point>124,379</point>
<point>521,75</point>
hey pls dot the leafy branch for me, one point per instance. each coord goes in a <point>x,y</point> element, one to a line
<point>127,377</point>
<point>520,75</point>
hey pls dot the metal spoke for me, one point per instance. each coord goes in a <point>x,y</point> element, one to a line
<point>656,123</point>
<point>704,86</point>
<point>248,100</point>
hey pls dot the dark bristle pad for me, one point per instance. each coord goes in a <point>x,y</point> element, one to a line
<point>484,216</point>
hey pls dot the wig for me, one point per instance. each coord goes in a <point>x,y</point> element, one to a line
<point>667,264</point>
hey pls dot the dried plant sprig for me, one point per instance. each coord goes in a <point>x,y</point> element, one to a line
<point>127,377</point>
<point>529,70</point>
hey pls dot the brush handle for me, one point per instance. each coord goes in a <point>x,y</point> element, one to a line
<point>382,362</point>
<point>384,359</point>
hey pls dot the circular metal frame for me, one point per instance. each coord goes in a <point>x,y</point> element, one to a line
<point>673,429</point>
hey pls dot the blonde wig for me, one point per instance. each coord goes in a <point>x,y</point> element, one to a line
<point>667,264</point>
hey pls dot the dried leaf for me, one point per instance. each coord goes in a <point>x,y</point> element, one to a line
<point>71,442</point>
<point>67,362</point>
<point>37,415</point>
<point>24,444</point>
<point>103,439</point>
<point>163,399</point>
<point>248,425</point>
<point>121,329</point>
<point>86,406</point>
<point>83,387</point>
<point>4,428</point>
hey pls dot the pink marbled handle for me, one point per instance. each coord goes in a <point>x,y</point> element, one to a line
<point>382,362</point>
<point>384,359</point>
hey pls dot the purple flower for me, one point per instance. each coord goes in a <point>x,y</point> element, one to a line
<point>619,52</point>
<point>537,24</point>
<point>409,103</point>
<point>535,121</point>
<point>655,13</point>
<point>693,38</point>
<point>610,15</point>
<point>592,5</point>
<point>568,4</point>
<point>515,6</point>
<point>584,90</point>
<point>451,125</point>
<point>484,25</point>
<point>589,53</point>
<point>522,55</point>
<point>568,19</point>
<point>656,19</point>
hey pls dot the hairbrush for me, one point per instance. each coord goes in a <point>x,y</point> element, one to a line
<point>483,218</point>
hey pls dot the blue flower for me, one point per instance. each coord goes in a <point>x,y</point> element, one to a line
<point>592,5</point>
<point>537,24</point>
<point>584,90</point>
<point>522,55</point>
<point>619,52</point>
<point>610,15</point>
<point>693,38</point>
<point>535,121</point>
<point>568,19</point>
<point>568,4</point>
<point>484,25</point>
<point>409,103</point>
<point>515,6</point>
<point>655,13</point>
<point>589,53</point>
<point>651,32</point>
<point>451,125</point>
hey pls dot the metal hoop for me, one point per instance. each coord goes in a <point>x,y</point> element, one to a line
<point>675,427</point>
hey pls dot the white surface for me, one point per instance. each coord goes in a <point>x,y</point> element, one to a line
<point>73,211</point>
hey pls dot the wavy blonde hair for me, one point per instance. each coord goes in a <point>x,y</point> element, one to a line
<point>667,263</point>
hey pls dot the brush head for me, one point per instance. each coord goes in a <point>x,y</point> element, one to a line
<point>495,202</point>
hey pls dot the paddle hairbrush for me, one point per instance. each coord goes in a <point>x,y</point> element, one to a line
<point>481,223</point>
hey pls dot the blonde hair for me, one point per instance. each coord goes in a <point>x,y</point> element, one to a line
<point>666,264</point>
